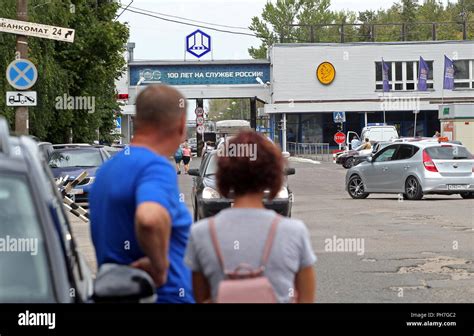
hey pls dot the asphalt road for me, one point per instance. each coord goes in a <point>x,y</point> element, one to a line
<point>409,251</point>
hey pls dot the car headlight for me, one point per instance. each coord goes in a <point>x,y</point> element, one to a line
<point>91,180</point>
<point>86,181</point>
<point>209,193</point>
<point>283,193</point>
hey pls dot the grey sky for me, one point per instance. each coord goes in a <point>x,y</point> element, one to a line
<point>157,39</point>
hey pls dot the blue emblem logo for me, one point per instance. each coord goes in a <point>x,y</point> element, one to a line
<point>198,43</point>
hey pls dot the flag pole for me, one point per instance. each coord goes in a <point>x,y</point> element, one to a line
<point>414,127</point>
<point>383,98</point>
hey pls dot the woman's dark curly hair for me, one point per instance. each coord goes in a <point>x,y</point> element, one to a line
<point>250,174</point>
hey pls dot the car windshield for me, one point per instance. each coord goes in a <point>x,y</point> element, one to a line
<point>76,158</point>
<point>22,250</point>
<point>449,153</point>
<point>212,166</point>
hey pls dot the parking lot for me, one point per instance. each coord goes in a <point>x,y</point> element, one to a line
<point>380,249</point>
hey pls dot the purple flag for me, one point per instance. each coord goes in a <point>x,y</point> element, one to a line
<point>385,69</point>
<point>448,83</point>
<point>423,71</point>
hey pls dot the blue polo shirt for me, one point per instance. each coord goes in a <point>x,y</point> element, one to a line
<point>131,177</point>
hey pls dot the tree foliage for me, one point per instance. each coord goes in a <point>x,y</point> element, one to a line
<point>278,20</point>
<point>225,109</point>
<point>86,68</point>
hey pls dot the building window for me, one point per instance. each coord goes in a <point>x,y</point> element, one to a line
<point>464,74</point>
<point>403,76</point>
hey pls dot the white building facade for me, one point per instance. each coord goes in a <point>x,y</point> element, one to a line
<point>308,105</point>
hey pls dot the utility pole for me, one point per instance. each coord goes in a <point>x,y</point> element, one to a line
<point>21,112</point>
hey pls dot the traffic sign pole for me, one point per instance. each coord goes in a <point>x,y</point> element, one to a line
<point>199,137</point>
<point>21,112</point>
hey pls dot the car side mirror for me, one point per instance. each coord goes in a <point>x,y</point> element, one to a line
<point>290,171</point>
<point>123,284</point>
<point>370,159</point>
<point>193,172</point>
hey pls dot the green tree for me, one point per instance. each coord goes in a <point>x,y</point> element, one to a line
<point>86,68</point>
<point>408,10</point>
<point>225,109</point>
<point>274,27</point>
<point>366,18</point>
<point>278,20</point>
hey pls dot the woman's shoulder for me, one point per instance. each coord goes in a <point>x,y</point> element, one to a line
<point>200,227</point>
<point>293,225</point>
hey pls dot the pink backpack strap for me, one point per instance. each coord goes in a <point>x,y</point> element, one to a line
<point>215,242</point>
<point>269,243</point>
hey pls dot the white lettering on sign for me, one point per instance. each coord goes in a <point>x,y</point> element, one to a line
<point>212,75</point>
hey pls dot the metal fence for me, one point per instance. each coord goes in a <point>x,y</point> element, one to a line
<point>378,32</point>
<point>315,151</point>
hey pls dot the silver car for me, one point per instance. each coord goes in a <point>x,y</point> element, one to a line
<point>414,169</point>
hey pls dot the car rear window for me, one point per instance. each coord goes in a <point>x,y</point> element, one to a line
<point>76,158</point>
<point>448,153</point>
<point>25,274</point>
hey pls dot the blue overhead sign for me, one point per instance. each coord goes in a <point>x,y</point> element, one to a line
<point>22,74</point>
<point>198,43</point>
<point>201,74</point>
<point>339,117</point>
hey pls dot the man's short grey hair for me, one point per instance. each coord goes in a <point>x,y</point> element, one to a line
<point>159,106</point>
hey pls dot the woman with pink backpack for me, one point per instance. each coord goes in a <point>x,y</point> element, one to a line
<point>246,253</point>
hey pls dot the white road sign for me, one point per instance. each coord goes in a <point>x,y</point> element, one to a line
<point>199,111</point>
<point>199,121</point>
<point>200,129</point>
<point>23,98</point>
<point>36,30</point>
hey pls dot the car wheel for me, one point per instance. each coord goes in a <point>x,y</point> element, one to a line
<point>356,188</point>
<point>467,195</point>
<point>413,189</point>
<point>349,163</point>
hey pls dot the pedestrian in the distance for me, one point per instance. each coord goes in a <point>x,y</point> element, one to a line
<point>137,215</point>
<point>257,240</point>
<point>178,157</point>
<point>367,144</point>
<point>355,142</point>
<point>186,156</point>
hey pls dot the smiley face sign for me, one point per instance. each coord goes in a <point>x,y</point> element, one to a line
<point>326,73</point>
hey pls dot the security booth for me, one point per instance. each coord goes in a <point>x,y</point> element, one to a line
<point>457,123</point>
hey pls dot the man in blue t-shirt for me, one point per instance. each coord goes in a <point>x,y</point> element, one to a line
<point>137,215</point>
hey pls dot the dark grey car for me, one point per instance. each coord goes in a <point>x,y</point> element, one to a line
<point>208,202</point>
